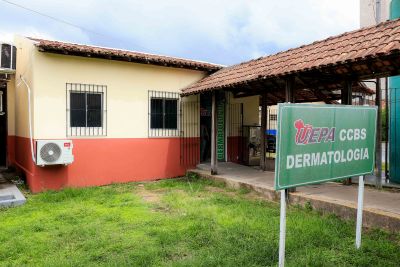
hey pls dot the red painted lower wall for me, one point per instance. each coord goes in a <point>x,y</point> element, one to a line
<point>235,149</point>
<point>104,161</point>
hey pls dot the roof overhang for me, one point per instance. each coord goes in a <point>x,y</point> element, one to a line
<point>320,67</point>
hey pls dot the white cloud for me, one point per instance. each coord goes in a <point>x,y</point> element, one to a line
<point>223,31</point>
<point>6,37</point>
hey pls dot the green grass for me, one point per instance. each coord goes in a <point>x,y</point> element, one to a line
<point>181,222</point>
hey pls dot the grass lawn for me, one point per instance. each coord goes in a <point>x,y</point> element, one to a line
<point>180,222</point>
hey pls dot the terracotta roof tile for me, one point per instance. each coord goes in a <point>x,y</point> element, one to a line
<point>122,55</point>
<point>369,42</point>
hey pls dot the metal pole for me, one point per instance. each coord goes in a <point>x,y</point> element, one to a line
<point>386,127</point>
<point>282,233</point>
<point>378,11</point>
<point>359,210</point>
<point>262,130</point>
<point>289,90</point>
<point>347,99</point>
<point>378,152</point>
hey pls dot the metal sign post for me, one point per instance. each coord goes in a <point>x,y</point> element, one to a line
<point>360,206</point>
<point>282,232</point>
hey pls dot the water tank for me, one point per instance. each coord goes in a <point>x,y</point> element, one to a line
<point>8,56</point>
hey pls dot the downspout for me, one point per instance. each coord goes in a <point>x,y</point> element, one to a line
<point>29,117</point>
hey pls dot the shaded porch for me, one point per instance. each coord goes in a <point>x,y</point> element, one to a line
<point>331,71</point>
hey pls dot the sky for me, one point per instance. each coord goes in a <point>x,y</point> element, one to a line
<point>218,31</point>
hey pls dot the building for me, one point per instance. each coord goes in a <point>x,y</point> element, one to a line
<point>134,116</point>
<point>368,12</point>
<point>111,103</point>
<point>121,109</point>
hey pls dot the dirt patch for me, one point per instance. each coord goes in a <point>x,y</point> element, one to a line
<point>255,196</point>
<point>246,193</point>
<point>153,198</point>
<point>149,196</point>
<point>221,190</point>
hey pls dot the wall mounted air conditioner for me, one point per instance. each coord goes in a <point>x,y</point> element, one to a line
<point>54,152</point>
<point>8,56</point>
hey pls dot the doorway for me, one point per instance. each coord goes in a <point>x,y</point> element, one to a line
<point>205,126</point>
<point>3,124</point>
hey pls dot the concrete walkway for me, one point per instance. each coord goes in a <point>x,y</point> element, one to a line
<point>381,208</point>
<point>10,194</point>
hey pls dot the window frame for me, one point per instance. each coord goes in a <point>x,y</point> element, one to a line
<point>164,114</point>
<point>86,89</point>
<point>164,96</point>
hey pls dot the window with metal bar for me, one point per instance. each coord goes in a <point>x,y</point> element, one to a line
<point>86,110</point>
<point>163,114</point>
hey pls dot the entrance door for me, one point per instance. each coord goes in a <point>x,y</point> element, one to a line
<point>3,125</point>
<point>205,127</point>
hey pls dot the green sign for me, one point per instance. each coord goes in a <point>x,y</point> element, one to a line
<point>221,130</point>
<point>319,143</point>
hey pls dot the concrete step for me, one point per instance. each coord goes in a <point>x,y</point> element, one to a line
<point>10,195</point>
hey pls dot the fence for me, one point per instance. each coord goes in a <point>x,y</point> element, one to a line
<point>189,126</point>
<point>389,112</point>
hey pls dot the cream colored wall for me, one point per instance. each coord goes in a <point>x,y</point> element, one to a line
<point>127,91</point>
<point>250,108</point>
<point>25,65</point>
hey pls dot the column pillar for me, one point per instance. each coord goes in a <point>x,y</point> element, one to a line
<point>289,98</point>
<point>378,151</point>
<point>346,99</point>
<point>347,93</point>
<point>262,130</point>
<point>214,160</point>
<point>289,90</point>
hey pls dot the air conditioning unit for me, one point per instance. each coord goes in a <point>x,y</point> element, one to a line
<point>8,56</point>
<point>54,152</point>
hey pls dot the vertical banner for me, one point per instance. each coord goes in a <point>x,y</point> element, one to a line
<point>221,129</point>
